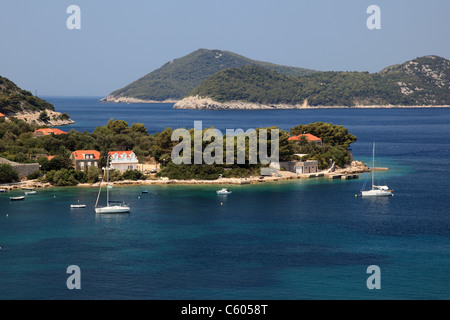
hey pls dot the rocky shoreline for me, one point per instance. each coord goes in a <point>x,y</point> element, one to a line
<point>33,117</point>
<point>351,172</point>
<point>113,99</point>
<point>196,102</point>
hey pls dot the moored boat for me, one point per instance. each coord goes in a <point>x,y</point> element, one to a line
<point>376,191</point>
<point>111,206</point>
<point>223,191</point>
<point>78,206</point>
<point>17,198</point>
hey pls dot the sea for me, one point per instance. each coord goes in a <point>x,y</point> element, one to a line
<point>309,239</point>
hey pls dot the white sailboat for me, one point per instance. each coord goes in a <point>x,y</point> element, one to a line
<point>111,206</point>
<point>376,191</point>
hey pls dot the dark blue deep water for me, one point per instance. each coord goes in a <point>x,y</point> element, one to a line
<point>305,239</point>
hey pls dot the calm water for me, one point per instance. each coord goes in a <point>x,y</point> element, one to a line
<point>294,240</point>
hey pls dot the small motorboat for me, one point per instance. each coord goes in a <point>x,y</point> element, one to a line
<point>223,191</point>
<point>30,192</point>
<point>27,189</point>
<point>77,206</point>
<point>3,190</point>
<point>145,191</point>
<point>17,198</point>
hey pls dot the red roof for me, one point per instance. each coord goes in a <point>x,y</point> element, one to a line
<point>120,153</point>
<point>80,154</point>
<point>308,137</point>
<point>2,115</point>
<point>49,131</point>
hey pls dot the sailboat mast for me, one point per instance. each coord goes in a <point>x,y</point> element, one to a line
<point>107,183</point>
<point>373,164</point>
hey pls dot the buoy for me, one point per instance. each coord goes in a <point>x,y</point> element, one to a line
<point>221,203</point>
<point>356,195</point>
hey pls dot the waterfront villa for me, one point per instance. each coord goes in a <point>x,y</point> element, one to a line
<point>47,132</point>
<point>83,159</point>
<point>309,137</point>
<point>300,167</point>
<point>123,160</point>
<point>2,116</point>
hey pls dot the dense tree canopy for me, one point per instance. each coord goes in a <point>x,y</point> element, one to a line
<point>17,143</point>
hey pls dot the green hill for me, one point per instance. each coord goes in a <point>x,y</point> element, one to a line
<point>15,100</point>
<point>176,78</point>
<point>422,81</point>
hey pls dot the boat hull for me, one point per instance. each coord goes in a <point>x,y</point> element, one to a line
<point>78,206</point>
<point>377,193</point>
<point>113,209</point>
<point>17,198</point>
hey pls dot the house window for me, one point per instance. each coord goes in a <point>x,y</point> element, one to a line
<point>82,164</point>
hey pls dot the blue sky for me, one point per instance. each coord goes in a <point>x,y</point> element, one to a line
<point>120,41</point>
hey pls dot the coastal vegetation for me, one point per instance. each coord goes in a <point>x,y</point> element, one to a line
<point>336,141</point>
<point>14,100</point>
<point>423,81</point>
<point>7,174</point>
<point>53,152</point>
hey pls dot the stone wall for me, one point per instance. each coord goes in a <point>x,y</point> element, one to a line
<point>23,170</point>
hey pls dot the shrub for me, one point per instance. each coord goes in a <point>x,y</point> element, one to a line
<point>34,175</point>
<point>8,174</point>
<point>134,175</point>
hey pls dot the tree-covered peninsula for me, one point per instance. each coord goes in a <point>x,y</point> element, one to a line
<point>19,143</point>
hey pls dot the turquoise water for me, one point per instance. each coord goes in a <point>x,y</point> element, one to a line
<point>307,239</point>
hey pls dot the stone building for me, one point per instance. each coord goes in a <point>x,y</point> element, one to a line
<point>83,159</point>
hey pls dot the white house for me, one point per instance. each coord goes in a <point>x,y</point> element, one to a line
<point>123,160</point>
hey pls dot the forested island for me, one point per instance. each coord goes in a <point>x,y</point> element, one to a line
<point>421,82</point>
<point>19,143</point>
<point>215,79</point>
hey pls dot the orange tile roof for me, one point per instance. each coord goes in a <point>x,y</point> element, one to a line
<point>49,131</point>
<point>80,154</point>
<point>120,153</point>
<point>2,115</point>
<point>308,137</point>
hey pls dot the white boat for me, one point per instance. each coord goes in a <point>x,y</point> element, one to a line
<point>223,191</point>
<point>17,198</point>
<point>78,206</point>
<point>111,206</point>
<point>30,192</point>
<point>3,190</point>
<point>27,188</point>
<point>376,191</point>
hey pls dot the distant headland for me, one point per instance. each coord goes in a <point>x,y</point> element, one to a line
<point>215,79</point>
